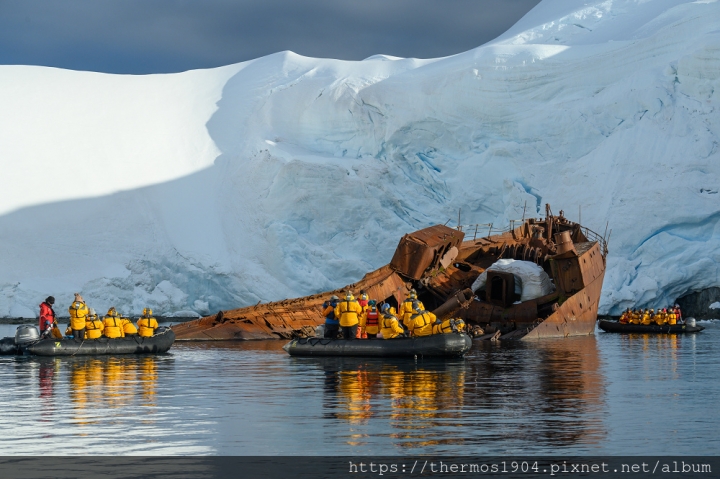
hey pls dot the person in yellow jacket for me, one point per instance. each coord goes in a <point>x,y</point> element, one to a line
<point>635,317</point>
<point>415,308</point>
<point>449,326</point>
<point>661,318</point>
<point>129,328</point>
<point>647,317</point>
<point>389,325</point>
<point>93,326</point>
<point>421,323</point>
<point>348,313</point>
<point>364,303</point>
<point>78,312</point>
<point>147,324</point>
<point>113,325</point>
<point>409,307</point>
<point>671,317</point>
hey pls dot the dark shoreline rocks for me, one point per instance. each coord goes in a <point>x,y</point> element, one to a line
<point>697,304</point>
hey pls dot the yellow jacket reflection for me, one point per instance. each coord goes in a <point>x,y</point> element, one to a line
<point>355,393</point>
<point>86,390</point>
<point>148,378</point>
<point>97,386</point>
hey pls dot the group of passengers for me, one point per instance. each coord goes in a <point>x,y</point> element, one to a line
<point>85,324</point>
<point>670,316</point>
<point>364,318</point>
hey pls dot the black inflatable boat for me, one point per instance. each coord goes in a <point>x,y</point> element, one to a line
<point>616,327</point>
<point>435,346</point>
<point>159,343</point>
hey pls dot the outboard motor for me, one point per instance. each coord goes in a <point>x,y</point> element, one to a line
<point>690,322</point>
<point>26,334</point>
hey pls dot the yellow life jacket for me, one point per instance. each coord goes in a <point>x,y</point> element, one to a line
<point>421,324</point>
<point>78,312</point>
<point>113,327</point>
<point>389,326</point>
<point>407,311</point>
<point>447,326</point>
<point>93,328</point>
<point>147,326</point>
<point>128,327</point>
<point>348,311</point>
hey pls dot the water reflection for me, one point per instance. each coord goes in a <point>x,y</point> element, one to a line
<point>48,372</point>
<point>657,354</point>
<point>548,393</point>
<point>601,395</point>
<point>106,387</point>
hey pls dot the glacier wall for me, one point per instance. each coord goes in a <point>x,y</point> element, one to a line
<point>286,175</point>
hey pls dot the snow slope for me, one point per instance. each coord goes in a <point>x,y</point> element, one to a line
<point>285,175</point>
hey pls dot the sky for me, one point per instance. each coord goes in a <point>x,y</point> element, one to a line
<point>166,36</point>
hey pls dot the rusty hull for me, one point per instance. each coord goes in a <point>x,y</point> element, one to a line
<point>441,267</point>
<point>287,318</point>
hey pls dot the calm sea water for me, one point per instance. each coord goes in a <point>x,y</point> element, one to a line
<point>603,394</point>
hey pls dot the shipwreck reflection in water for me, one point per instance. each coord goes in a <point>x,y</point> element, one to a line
<point>544,393</point>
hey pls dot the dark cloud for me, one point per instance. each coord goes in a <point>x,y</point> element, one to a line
<point>158,36</point>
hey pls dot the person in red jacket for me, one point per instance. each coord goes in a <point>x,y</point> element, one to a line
<point>47,316</point>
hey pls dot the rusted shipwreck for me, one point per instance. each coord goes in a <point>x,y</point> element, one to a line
<point>442,268</point>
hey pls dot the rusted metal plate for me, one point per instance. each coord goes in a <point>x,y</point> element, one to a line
<point>575,317</point>
<point>422,250</point>
<point>568,275</point>
<point>593,264</point>
<point>525,312</point>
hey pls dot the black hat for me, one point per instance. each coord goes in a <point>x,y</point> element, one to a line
<point>50,300</point>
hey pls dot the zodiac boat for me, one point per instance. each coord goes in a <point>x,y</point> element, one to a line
<point>435,346</point>
<point>617,327</point>
<point>27,341</point>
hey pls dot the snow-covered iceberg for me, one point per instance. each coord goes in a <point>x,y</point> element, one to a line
<point>287,175</point>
